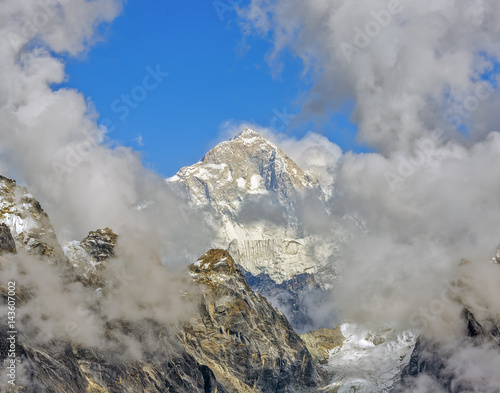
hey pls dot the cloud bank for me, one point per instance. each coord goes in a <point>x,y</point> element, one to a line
<point>52,142</point>
<point>424,77</point>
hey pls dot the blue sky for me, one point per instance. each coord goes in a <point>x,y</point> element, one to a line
<point>214,75</point>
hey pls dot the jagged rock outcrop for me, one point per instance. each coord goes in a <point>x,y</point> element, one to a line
<point>88,256</point>
<point>28,222</point>
<point>249,345</point>
<point>100,244</point>
<point>7,243</point>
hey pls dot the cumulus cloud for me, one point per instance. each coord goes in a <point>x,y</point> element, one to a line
<point>445,49</point>
<point>423,76</point>
<point>53,142</point>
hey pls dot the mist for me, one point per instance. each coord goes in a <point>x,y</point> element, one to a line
<point>53,142</point>
<point>423,76</point>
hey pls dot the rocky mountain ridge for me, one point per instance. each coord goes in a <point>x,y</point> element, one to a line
<point>236,342</point>
<point>260,351</point>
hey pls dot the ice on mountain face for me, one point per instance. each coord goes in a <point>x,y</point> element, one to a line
<point>370,361</point>
<point>235,174</point>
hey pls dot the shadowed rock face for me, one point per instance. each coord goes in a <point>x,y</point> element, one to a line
<point>430,357</point>
<point>67,368</point>
<point>248,344</point>
<point>7,243</point>
<point>295,298</point>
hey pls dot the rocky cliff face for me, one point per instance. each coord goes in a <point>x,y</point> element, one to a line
<point>29,224</point>
<point>236,343</point>
<point>255,190</point>
<point>7,243</point>
<point>67,368</point>
<point>249,345</point>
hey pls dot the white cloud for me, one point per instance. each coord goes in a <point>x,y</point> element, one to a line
<point>50,141</point>
<point>420,72</point>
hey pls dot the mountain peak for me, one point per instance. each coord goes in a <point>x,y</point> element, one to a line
<point>247,133</point>
<point>254,189</point>
<point>246,164</point>
<point>214,262</point>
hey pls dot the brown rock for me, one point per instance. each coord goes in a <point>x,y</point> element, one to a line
<point>322,341</point>
<point>249,345</point>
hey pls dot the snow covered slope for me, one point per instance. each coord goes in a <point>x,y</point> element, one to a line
<point>256,191</point>
<point>369,361</point>
<point>29,224</point>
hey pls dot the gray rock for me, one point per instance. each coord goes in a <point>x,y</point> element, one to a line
<point>7,243</point>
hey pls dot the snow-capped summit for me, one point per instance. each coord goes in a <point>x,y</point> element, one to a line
<point>247,134</point>
<point>255,189</point>
<point>246,164</point>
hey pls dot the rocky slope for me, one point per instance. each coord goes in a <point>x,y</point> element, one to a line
<point>256,191</point>
<point>237,343</point>
<point>7,243</point>
<point>249,345</point>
